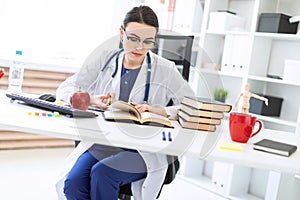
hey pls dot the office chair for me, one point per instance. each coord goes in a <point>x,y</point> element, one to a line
<point>173,167</point>
<point>177,48</point>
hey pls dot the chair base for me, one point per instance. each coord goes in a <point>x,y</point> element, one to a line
<point>124,197</point>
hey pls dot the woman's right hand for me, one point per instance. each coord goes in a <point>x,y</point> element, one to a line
<point>103,101</point>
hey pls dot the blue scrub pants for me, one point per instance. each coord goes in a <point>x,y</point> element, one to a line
<point>100,171</point>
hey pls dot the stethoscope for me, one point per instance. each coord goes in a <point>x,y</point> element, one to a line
<point>117,54</point>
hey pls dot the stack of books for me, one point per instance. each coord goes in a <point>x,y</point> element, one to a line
<point>202,114</point>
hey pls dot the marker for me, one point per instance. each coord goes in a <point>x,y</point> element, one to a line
<point>169,137</point>
<point>56,114</point>
<point>163,136</point>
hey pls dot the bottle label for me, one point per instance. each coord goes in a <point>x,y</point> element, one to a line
<point>15,78</point>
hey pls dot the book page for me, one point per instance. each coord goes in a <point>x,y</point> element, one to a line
<point>122,110</point>
<point>126,107</point>
<point>152,117</point>
<point>119,115</point>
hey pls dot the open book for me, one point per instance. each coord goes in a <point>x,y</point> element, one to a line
<point>125,111</point>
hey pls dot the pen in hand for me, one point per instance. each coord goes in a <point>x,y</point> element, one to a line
<point>109,100</point>
<point>110,97</point>
<point>103,101</point>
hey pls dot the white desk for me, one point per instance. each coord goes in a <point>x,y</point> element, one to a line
<point>14,116</point>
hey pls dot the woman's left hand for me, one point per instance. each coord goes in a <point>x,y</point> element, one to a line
<point>146,108</point>
<point>142,107</point>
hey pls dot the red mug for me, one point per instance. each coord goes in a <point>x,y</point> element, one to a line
<point>241,126</point>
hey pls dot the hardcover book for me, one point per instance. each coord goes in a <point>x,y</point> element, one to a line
<point>206,104</point>
<point>202,113</point>
<point>275,147</point>
<point>125,111</point>
<point>196,126</point>
<point>198,119</point>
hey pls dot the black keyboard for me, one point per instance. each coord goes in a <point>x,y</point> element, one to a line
<point>62,109</point>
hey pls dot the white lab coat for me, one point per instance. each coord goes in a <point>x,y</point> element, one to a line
<point>166,83</point>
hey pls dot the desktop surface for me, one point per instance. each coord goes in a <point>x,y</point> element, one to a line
<point>184,142</point>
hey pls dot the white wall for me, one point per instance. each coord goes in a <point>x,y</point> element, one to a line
<point>53,28</point>
<point>48,30</point>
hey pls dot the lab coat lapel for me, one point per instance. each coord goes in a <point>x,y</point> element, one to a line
<point>116,80</point>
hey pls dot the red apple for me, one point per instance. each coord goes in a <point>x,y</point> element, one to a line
<point>2,72</point>
<point>80,100</point>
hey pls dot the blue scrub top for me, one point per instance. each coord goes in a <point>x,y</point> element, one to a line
<point>128,78</point>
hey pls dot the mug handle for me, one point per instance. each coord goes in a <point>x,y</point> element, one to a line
<point>259,128</point>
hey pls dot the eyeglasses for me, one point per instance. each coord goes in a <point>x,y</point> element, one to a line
<point>135,41</point>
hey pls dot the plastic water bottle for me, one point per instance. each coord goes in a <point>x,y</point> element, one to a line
<point>16,73</point>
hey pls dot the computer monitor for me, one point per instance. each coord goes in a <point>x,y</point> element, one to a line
<point>177,48</point>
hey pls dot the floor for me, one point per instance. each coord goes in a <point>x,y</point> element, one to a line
<point>31,174</point>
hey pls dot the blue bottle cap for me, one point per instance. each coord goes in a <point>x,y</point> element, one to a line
<point>18,52</point>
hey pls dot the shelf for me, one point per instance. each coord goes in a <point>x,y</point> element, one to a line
<point>278,36</point>
<point>214,72</point>
<point>205,183</point>
<point>271,80</point>
<point>244,196</point>
<point>202,182</point>
<point>223,33</point>
<point>276,120</point>
<point>196,34</point>
<point>275,36</point>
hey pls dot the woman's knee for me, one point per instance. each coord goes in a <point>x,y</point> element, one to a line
<point>70,185</point>
<point>100,169</point>
<point>74,185</point>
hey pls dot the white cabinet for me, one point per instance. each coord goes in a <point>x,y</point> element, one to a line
<point>246,55</point>
<point>238,182</point>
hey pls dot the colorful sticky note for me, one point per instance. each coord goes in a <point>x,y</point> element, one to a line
<point>231,146</point>
<point>56,114</point>
<point>60,103</point>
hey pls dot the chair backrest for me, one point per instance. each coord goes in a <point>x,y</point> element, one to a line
<point>177,48</point>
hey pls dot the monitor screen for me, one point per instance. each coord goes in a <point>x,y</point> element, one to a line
<point>173,50</point>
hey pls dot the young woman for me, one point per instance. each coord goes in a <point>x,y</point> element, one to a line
<point>132,74</point>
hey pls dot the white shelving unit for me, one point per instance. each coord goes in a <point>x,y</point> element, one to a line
<point>255,55</point>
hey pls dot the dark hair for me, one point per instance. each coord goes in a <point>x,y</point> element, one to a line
<point>141,14</point>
